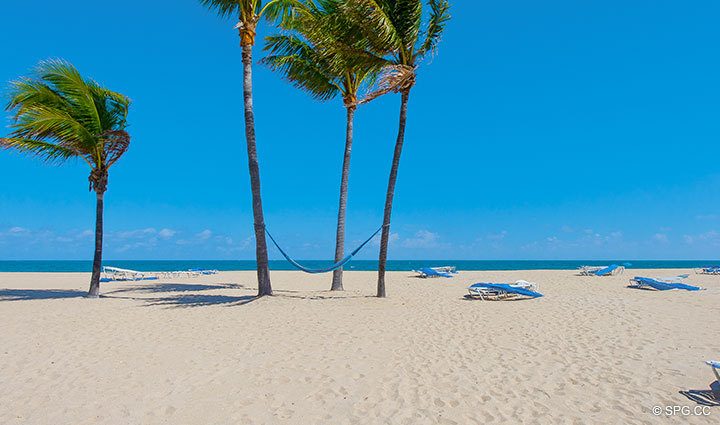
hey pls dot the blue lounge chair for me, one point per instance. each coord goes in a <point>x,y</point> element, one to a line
<point>659,285</point>
<point>485,291</point>
<point>609,270</point>
<point>430,272</point>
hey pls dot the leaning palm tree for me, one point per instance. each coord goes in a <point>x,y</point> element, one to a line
<point>249,13</point>
<point>399,34</point>
<point>300,54</point>
<point>59,115</point>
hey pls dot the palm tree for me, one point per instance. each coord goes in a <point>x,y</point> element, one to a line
<point>301,55</point>
<point>249,13</point>
<point>399,34</point>
<point>59,115</point>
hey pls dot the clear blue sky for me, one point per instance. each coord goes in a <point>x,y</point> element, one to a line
<point>541,130</point>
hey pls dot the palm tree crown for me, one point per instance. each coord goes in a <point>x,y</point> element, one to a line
<point>307,52</point>
<point>58,115</point>
<point>398,36</point>
<point>249,13</point>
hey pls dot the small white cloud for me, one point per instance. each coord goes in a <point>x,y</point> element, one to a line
<point>138,233</point>
<point>167,233</point>
<point>660,238</point>
<point>422,239</point>
<point>497,236</point>
<point>17,230</point>
<point>205,234</point>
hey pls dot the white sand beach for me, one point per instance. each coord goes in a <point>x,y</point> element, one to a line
<point>203,351</point>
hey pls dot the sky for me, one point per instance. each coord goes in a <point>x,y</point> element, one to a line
<point>560,129</point>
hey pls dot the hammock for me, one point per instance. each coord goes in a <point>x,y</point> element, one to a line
<point>333,267</point>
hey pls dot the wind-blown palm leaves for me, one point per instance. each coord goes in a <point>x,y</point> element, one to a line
<point>397,34</point>
<point>59,115</point>
<point>249,13</point>
<point>305,54</point>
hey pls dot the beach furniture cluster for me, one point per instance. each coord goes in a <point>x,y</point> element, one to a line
<point>116,274</point>
<point>709,270</point>
<point>611,270</point>
<point>444,271</point>
<point>504,291</point>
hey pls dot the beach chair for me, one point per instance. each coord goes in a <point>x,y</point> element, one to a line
<point>504,291</point>
<point>659,285</point>
<point>116,274</point>
<point>610,270</point>
<point>431,272</point>
<point>589,270</point>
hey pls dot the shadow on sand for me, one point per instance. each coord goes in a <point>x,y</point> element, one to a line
<point>38,294</point>
<point>175,287</point>
<point>709,397</point>
<point>199,300</point>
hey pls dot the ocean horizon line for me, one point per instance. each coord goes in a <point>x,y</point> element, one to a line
<point>68,266</point>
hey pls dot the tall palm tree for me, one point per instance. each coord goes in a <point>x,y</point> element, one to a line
<point>398,33</point>
<point>249,13</point>
<point>301,55</point>
<point>59,115</point>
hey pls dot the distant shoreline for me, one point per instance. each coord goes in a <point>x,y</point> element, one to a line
<point>70,266</point>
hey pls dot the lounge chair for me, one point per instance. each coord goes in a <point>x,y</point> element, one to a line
<point>503,291</point>
<point>116,274</point>
<point>660,285</point>
<point>432,272</point>
<point>589,270</point>
<point>610,270</point>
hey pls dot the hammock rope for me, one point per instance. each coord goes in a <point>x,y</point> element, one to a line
<point>333,267</point>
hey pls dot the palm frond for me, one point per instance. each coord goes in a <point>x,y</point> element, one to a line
<point>301,65</point>
<point>439,16</point>
<point>374,19</point>
<point>47,152</point>
<point>66,79</point>
<point>406,17</point>
<point>282,11</point>
<point>224,8</point>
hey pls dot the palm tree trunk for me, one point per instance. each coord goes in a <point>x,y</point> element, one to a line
<point>384,239</point>
<point>337,284</point>
<point>261,252</point>
<point>94,291</point>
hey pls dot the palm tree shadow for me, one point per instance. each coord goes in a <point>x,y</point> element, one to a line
<point>319,295</point>
<point>709,397</point>
<point>175,287</point>
<point>38,294</point>
<point>194,300</point>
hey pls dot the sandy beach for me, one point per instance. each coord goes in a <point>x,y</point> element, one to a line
<point>204,351</point>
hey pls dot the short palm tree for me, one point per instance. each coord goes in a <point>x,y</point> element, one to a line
<point>249,13</point>
<point>59,115</point>
<point>301,54</point>
<point>399,34</point>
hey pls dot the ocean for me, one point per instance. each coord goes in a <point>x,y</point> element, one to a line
<point>358,265</point>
